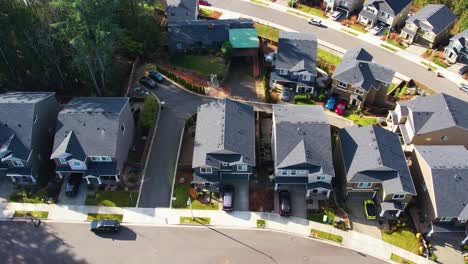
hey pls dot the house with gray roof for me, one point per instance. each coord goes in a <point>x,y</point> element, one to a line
<point>296,61</point>
<point>181,10</point>
<point>360,81</point>
<point>441,177</point>
<point>391,13</point>
<point>27,120</point>
<point>439,119</point>
<point>302,151</point>
<point>92,138</point>
<point>457,49</point>
<point>370,164</point>
<point>430,26</point>
<point>224,146</point>
<point>347,6</point>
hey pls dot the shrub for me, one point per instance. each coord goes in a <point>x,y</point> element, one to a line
<point>292,3</point>
<point>147,113</point>
<point>261,223</point>
<point>226,49</point>
<point>266,89</point>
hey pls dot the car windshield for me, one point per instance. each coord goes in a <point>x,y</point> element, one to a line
<point>341,106</point>
<point>285,207</point>
<point>370,209</point>
<point>285,93</point>
<point>227,200</point>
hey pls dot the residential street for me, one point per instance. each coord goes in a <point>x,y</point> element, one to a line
<point>343,40</point>
<point>74,243</point>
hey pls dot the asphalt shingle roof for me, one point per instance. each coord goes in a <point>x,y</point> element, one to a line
<point>297,52</point>
<point>439,17</point>
<point>392,7</point>
<point>187,4</point>
<point>449,165</point>
<point>373,154</point>
<point>462,37</point>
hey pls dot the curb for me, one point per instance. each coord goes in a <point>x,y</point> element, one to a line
<point>176,165</point>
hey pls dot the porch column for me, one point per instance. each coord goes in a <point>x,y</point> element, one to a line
<point>465,240</point>
<point>12,178</point>
<point>87,180</point>
<point>32,178</point>
<point>430,232</point>
<point>382,213</point>
<point>398,213</point>
<point>116,178</point>
<point>59,174</point>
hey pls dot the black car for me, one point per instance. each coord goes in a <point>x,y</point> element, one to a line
<point>148,82</point>
<point>463,70</point>
<point>156,76</point>
<point>284,203</point>
<point>228,198</point>
<point>105,226</point>
<point>71,189</point>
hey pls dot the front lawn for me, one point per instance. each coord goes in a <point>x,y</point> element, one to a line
<point>92,217</point>
<point>318,217</point>
<point>440,62</point>
<point>33,214</point>
<point>195,221</point>
<point>203,64</point>
<point>403,238</point>
<point>394,43</point>
<point>311,10</point>
<point>328,57</point>
<point>392,49</point>
<point>325,235</point>
<point>350,32</point>
<point>358,27</point>
<point>267,32</point>
<point>206,12</point>
<point>181,193</point>
<point>362,121</point>
<point>303,99</point>
<point>113,199</point>
<point>25,196</point>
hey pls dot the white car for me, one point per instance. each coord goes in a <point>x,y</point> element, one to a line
<point>377,29</point>
<point>463,87</point>
<point>315,22</point>
<point>336,15</point>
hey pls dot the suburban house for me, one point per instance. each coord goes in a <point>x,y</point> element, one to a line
<point>430,26</point>
<point>181,10</point>
<point>457,49</point>
<point>391,13</point>
<point>27,121</point>
<point>438,119</point>
<point>370,164</point>
<point>224,146</point>
<point>347,6</point>
<point>360,81</point>
<point>441,177</point>
<point>302,151</point>
<point>92,139</point>
<point>296,61</point>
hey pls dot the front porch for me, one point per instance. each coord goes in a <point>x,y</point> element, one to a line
<point>297,86</point>
<point>20,176</point>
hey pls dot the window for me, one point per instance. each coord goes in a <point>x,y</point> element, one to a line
<point>284,173</point>
<point>424,187</point>
<point>462,221</point>
<point>364,184</point>
<point>314,191</point>
<point>293,173</point>
<point>206,170</point>
<point>224,164</point>
<point>63,161</point>
<point>77,164</point>
<point>123,129</point>
<point>321,178</point>
<point>106,158</point>
<point>444,138</point>
<point>445,219</point>
<point>17,163</point>
<point>34,119</point>
<point>241,167</point>
<point>342,84</point>
<point>172,13</point>
<point>398,196</point>
<point>283,72</point>
<point>101,158</point>
<point>359,92</point>
<point>305,78</point>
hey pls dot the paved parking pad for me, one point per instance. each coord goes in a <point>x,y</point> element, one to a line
<point>78,199</point>
<point>359,221</point>
<point>241,194</point>
<point>298,202</point>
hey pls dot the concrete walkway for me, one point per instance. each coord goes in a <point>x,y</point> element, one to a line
<point>165,216</point>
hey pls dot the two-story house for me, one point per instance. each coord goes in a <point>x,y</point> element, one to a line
<point>92,139</point>
<point>347,6</point>
<point>391,13</point>
<point>441,177</point>
<point>360,81</point>
<point>296,61</point>
<point>439,119</point>
<point>181,10</point>
<point>370,164</point>
<point>429,26</point>
<point>457,50</point>
<point>302,151</point>
<point>224,146</point>
<point>27,121</point>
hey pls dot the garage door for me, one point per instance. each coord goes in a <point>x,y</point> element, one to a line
<point>360,195</point>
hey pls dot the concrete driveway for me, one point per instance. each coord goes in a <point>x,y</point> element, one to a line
<point>80,197</point>
<point>241,194</point>
<point>359,222</point>
<point>447,247</point>
<point>298,202</point>
<point>6,187</point>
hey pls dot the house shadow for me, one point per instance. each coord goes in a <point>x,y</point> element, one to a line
<point>124,234</point>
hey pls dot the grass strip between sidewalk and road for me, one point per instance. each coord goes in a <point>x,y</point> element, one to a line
<point>399,259</point>
<point>394,43</point>
<point>261,223</point>
<point>392,49</point>
<point>429,65</point>
<point>187,220</point>
<point>350,32</point>
<point>113,199</point>
<point>298,14</point>
<point>92,216</point>
<point>259,2</point>
<point>311,10</point>
<point>33,214</point>
<point>325,235</point>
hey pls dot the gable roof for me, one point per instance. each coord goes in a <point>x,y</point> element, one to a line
<point>89,126</point>
<point>302,138</point>
<point>439,17</point>
<point>436,112</point>
<point>297,52</point>
<point>373,154</point>
<point>357,69</point>
<point>449,167</point>
<point>462,38</point>
<point>225,132</point>
<point>393,7</point>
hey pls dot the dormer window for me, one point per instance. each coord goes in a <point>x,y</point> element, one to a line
<point>342,85</point>
<point>63,161</point>
<point>17,163</point>
<point>398,196</point>
<point>241,167</point>
<point>101,158</point>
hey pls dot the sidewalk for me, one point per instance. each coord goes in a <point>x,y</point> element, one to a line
<point>165,216</point>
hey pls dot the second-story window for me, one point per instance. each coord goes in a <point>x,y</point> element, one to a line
<point>398,196</point>
<point>17,163</point>
<point>283,72</point>
<point>101,158</point>
<point>364,184</point>
<point>359,92</point>
<point>206,170</point>
<point>321,178</point>
<point>445,219</point>
<point>241,167</point>
<point>342,84</point>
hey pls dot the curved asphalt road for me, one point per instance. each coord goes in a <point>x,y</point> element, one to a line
<point>403,66</point>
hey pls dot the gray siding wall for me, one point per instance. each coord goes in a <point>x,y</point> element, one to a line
<point>124,139</point>
<point>175,14</point>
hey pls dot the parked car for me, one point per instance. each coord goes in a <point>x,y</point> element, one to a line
<point>370,210</point>
<point>228,198</point>
<point>284,203</point>
<point>463,87</point>
<point>315,22</point>
<point>341,107</point>
<point>203,3</point>
<point>463,70</point>
<point>105,226</point>
<point>331,103</point>
<point>286,95</point>
<point>377,29</point>
<point>71,189</point>
<point>336,15</point>
<point>148,82</point>
<point>156,76</point>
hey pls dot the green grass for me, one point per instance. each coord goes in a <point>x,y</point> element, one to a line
<point>92,217</point>
<point>303,99</point>
<point>261,223</point>
<point>399,259</point>
<point>201,64</point>
<point>359,27</point>
<point>33,214</point>
<point>259,2</point>
<point>439,62</point>
<point>21,197</point>
<point>267,32</point>
<point>428,65</point>
<point>350,32</point>
<point>181,192</point>
<point>392,49</point>
<point>318,217</point>
<point>362,121</point>
<point>394,43</point>
<point>403,238</point>
<point>195,221</point>
<point>390,87</point>
<point>206,12</point>
<point>325,235</point>
<point>328,57</point>
<point>113,199</point>
<point>311,10</point>
<point>197,205</point>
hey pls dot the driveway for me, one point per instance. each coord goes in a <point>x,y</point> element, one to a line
<point>298,202</point>
<point>447,247</point>
<point>80,197</point>
<point>358,219</point>
<point>241,194</point>
<point>241,81</point>
<point>6,188</point>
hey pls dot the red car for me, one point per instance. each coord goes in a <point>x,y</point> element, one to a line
<point>203,3</point>
<point>340,107</point>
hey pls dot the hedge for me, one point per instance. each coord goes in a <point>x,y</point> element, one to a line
<point>192,87</point>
